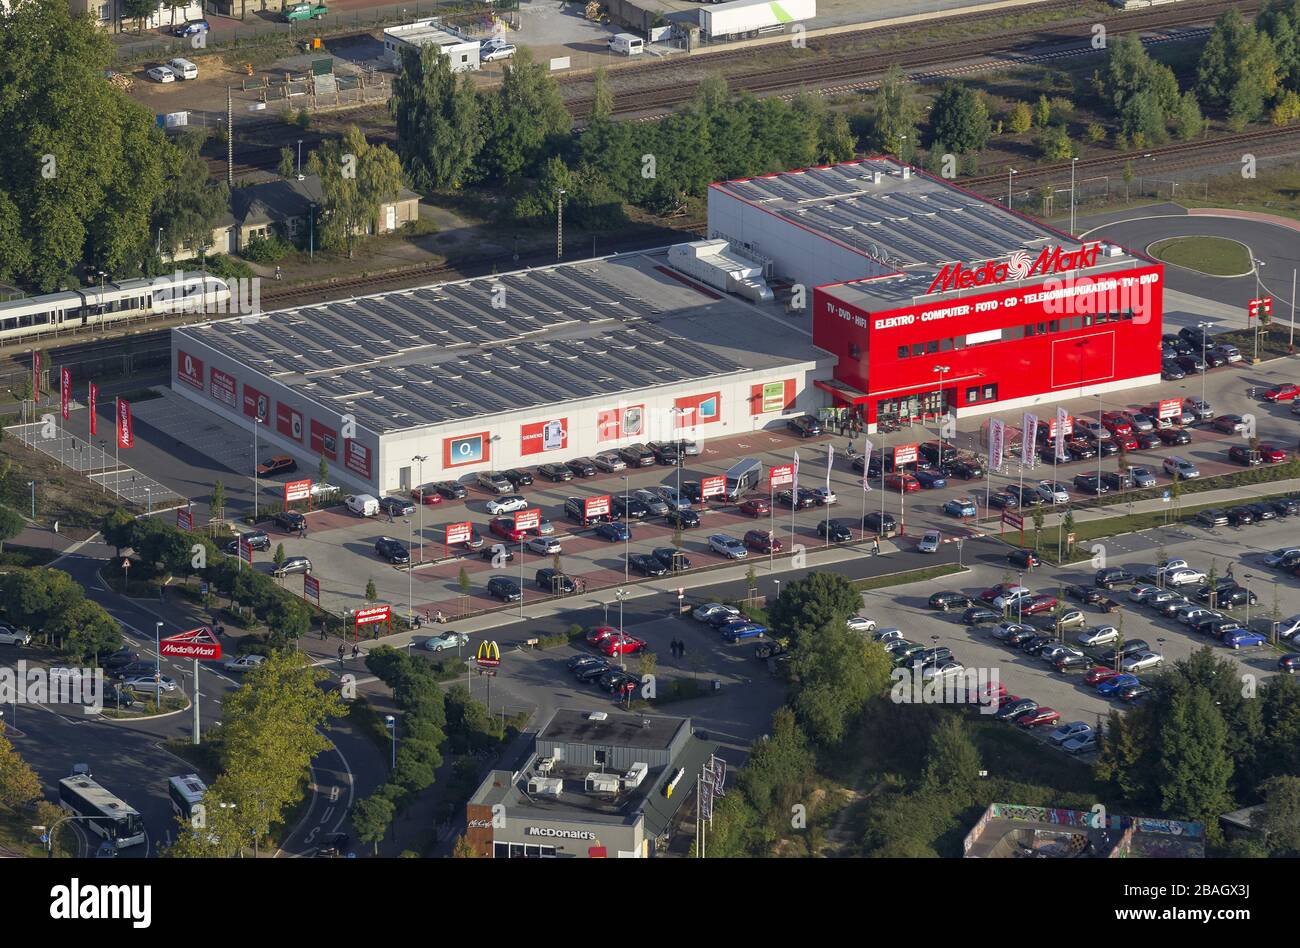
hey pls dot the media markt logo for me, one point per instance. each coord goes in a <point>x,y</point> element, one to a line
<point>39,685</point>
<point>1050,260</point>
<point>77,901</point>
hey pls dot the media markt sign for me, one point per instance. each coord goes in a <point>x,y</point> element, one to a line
<point>1018,266</point>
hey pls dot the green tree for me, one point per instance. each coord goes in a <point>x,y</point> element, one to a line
<point>437,118</point>
<point>837,671</point>
<point>602,97</point>
<point>960,119</point>
<point>190,203</point>
<point>1188,121</point>
<point>86,631</point>
<point>118,528</point>
<point>278,558</point>
<point>896,114</point>
<point>1280,818</point>
<point>463,850</point>
<point>1054,144</point>
<point>371,817</point>
<point>779,766</point>
<point>1021,119</point>
<point>11,524</point>
<point>356,178</point>
<point>1042,112</point>
<point>808,605</point>
<point>371,593</point>
<point>952,763</point>
<point>521,119</point>
<point>1238,69</point>
<point>1194,766</point>
<point>1280,20</point>
<point>287,169</point>
<point>35,598</point>
<point>217,502</point>
<point>19,784</point>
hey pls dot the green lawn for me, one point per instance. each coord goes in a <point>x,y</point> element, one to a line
<point>1216,256</point>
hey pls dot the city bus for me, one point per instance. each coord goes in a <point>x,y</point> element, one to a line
<point>110,817</point>
<point>186,793</point>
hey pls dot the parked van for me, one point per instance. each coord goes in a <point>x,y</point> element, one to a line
<point>627,43</point>
<point>743,476</point>
<point>184,69</point>
<point>363,505</point>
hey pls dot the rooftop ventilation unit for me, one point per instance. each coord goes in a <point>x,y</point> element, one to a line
<point>597,716</point>
<point>715,263</point>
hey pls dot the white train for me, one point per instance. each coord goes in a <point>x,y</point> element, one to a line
<point>93,306</point>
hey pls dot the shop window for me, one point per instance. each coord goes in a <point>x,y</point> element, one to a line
<point>918,349</point>
<point>1042,328</point>
<point>1054,326</point>
<point>972,395</point>
<point>516,850</point>
<point>855,351</point>
<point>1029,329</point>
<point>990,392</point>
<point>1076,322</point>
<point>902,352</point>
<point>945,345</point>
<point>932,346</point>
<point>1087,320</point>
<point>1013,332</point>
<point>500,850</point>
<point>959,342</point>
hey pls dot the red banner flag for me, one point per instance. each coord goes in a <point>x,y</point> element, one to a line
<point>36,376</point>
<point>94,397</point>
<point>65,391</point>
<point>125,438</point>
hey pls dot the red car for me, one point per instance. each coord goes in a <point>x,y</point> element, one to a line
<point>1038,716</point>
<point>428,496</point>
<point>1095,676</point>
<point>625,645</point>
<point>1282,393</point>
<point>1126,441</point>
<point>987,694</point>
<point>599,634</point>
<point>1271,453</point>
<point>904,482</point>
<point>755,508</point>
<point>1114,422</point>
<point>1036,604</point>
<point>504,527</point>
<point>1001,589</point>
<point>760,541</point>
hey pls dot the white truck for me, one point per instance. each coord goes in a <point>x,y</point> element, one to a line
<point>744,17</point>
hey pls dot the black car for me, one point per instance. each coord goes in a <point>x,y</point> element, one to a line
<point>582,467</point>
<point>555,472</point>
<point>1214,359</point>
<point>396,506</point>
<point>1263,511</point>
<point>1241,516</point>
<point>805,426</point>
<point>1175,436</point>
<point>392,550</point>
<point>120,659</point>
<point>692,491</point>
<point>1013,708</point>
<point>1018,637</point>
<point>1111,576</point>
<point>686,519</point>
<point>450,490</point>
<point>1004,500</point>
<point>884,524</point>
<point>1211,517</point>
<point>1036,643</point>
<point>290,520</point>
<point>1088,595</point>
<point>1117,480</point>
<point>1025,559</point>
<point>1090,484</point>
<point>1132,647</point>
<point>933,656</point>
<point>116,696</point>
<point>1289,663</point>
<point>675,561</point>
<point>257,540</point>
<point>1070,660</point>
<point>1190,362</point>
<point>872,467</point>
<point>646,565</point>
<point>331,846</point>
<point>1286,507</point>
<point>805,500</point>
<point>1132,694</point>
<point>965,468</point>
<point>582,661</point>
<point>593,672</point>
<point>517,477</point>
<point>944,601</point>
<point>1080,449</point>
<point>554,581</point>
<point>1236,596</point>
<point>1107,448</point>
<point>1241,454</point>
<point>628,508</point>
<point>637,455</point>
<point>501,550</point>
<point>1026,496</point>
<point>666,452</point>
<point>835,531</point>
<point>1048,455</point>
<point>1214,626</point>
<point>1171,371</point>
<point>978,614</point>
<point>499,587</point>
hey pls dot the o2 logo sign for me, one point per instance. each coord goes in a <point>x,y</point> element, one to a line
<point>466,449</point>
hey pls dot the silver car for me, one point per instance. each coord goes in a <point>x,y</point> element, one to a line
<point>860,624</point>
<point>674,500</point>
<point>1141,592</point>
<point>655,503</point>
<point>1053,492</point>
<point>929,542</point>
<point>1139,421</point>
<point>609,461</point>
<point>1142,477</point>
<point>705,612</point>
<point>543,545</point>
<point>1142,661</point>
<point>1098,635</point>
<point>1069,732</point>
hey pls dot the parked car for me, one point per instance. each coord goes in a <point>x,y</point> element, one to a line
<point>727,546</point>
<point>961,507</point>
<point>450,490</point>
<point>555,472</point>
<point>762,541</point>
<point>945,601</point>
<point>507,590</point>
<point>673,560</point>
<point>613,532</point>
<point>805,426</point>
<point>1111,576</point>
<point>1180,468</point>
<point>1141,661</point>
<point>493,482</point>
<point>1098,635</point>
<point>518,477</point>
<point>755,508</point>
<point>834,530</point>
<point>1285,392</point>
<point>1025,559</point>
<point>1245,639</point>
<point>976,615</point>
<point>292,564</point>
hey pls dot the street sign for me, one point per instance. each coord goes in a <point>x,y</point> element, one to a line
<point>1013,520</point>
<point>1170,408</point>
<point>311,587</point>
<point>1261,307</point>
<point>297,490</point>
<point>489,655</point>
<point>779,474</point>
<point>528,519</point>
<point>905,454</point>
<point>1165,497</point>
<point>372,615</point>
<point>594,507</point>
<point>198,643</point>
<point>245,551</point>
<point>459,532</point>
<point>713,486</point>
<point>184,519</point>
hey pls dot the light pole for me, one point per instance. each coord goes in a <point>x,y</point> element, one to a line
<point>1203,326</point>
<point>419,459</point>
<point>1259,292</point>
<point>677,412</point>
<point>627,528</point>
<point>157,668</point>
<point>620,595</point>
<point>559,224</point>
<point>148,501</point>
<point>32,485</point>
<point>410,573</point>
<point>1010,172</point>
<point>300,159</point>
<point>390,723</point>
<point>941,371</point>
<point>1073,162</point>
<point>257,420</point>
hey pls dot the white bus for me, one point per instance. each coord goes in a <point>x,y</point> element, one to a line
<point>113,819</point>
<point>186,792</point>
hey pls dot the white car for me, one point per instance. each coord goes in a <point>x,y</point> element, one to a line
<point>609,462</point>
<point>1289,627</point>
<point>1052,492</point>
<point>1142,661</point>
<point>1180,468</point>
<point>888,635</point>
<point>1081,744</point>
<point>244,663</point>
<point>729,547</point>
<point>145,683</point>
<point>860,624</point>
<point>1068,732</point>
<point>929,542</point>
<point>447,640</point>
<point>708,610</point>
<point>1011,597</point>
<point>161,74</point>
<point>1277,556</point>
<point>10,636</point>
<point>495,51</point>
<point>508,504</point>
<point>1165,568</point>
<point>183,69</point>
<point>824,496</point>
<point>363,505</point>
<point>543,545</point>
<point>1098,635</point>
<point>944,670</point>
<point>323,489</point>
<point>1140,592</point>
<point>1184,576</point>
<point>690,448</point>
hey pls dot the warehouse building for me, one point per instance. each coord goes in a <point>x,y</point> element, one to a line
<point>539,365</point>
<point>934,300</point>
<point>592,785</point>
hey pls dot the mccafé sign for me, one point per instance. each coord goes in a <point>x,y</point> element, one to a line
<point>1019,265</point>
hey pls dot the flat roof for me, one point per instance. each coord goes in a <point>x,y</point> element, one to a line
<point>453,352</point>
<point>426,32</point>
<point>909,221</point>
<point>624,730</point>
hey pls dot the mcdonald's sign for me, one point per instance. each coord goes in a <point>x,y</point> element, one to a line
<point>489,655</point>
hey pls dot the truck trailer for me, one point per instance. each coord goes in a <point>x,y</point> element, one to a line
<point>746,17</point>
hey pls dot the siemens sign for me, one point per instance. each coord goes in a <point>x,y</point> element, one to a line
<point>559,834</point>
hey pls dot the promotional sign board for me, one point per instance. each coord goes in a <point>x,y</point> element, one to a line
<point>466,449</point>
<point>459,532</point>
<point>1170,408</point>
<point>189,369</point>
<point>184,519</point>
<point>92,398</point>
<point>197,643</point>
<point>288,421</point>
<point>256,404</point>
<point>324,440</point>
<point>528,519</point>
<point>543,436</point>
<point>489,655</point>
<point>695,410</point>
<point>905,454</point>
<point>356,457</point>
<point>777,475</point>
<point>595,507</point>
<point>1263,306</point>
<point>1017,266</point>
<point>297,490</point>
<point>125,436</point>
<point>997,444</point>
<point>311,587</point>
<point>245,552</point>
<point>626,421</point>
<point>713,486</point>
<point>222,387</point>
<point>371,615</point>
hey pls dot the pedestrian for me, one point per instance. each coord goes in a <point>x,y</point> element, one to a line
<point>1230,571</point>
<point>417,620</point>
<point>390,516</point>
<point>875,546</point>
<point>681,649</point>
<point>356,650</point>
<point>341,652</point>
<point>322,633</point>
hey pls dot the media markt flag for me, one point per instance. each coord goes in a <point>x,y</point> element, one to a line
<point>997,444</point>
<point>794,484</point>
<point>125,437</point>
<point>830,462</point>
<point>1027,437</point>
<point>867,448</point>
<point>93,397</point>
<point>1061,418</point>
<point>65,391</point>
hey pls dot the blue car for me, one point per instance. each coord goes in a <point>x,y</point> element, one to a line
<point>613,532</point>
<point>1245,639</point>
<point>960,507</point>
<point>931,480</point>
<point>1111,685</point>
<point>735,631</point>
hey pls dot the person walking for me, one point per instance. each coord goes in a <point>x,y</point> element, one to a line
<point>322,633</point>
<point>875,546</point>
<point>356,650</point>
<point>341,652</point>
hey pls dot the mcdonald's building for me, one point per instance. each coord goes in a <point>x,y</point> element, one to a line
<point>593,784</point>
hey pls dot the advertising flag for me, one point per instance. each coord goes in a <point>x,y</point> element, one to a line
<point>867,448</point>
<point>1027,437</point>
<point>125,437</point>
<point>93,397</point>
<point>830,463</point>
<point>794,476</point>
<point>1061,417</point>
<point>65,391</point>
<point>997,443</point>
<point>36,376</point>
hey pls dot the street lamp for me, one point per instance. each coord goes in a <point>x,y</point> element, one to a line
<point>627,529</point>
<point>419,459</point>
<point>559,224</point>
<point>157,668</point>
<point>410,573</point>
<point>148,501</point>
<point>1073,163</point>
<point>620,595</point>
<point>677,412</point>
<point>257,420</point>
<point>1203,326</point>
<point>941,371</point>
<point>390,722</point>
<point>1010,172</point>
<point>1259,291</point>
<point>32,485</point>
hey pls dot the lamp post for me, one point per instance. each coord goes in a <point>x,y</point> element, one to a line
<point>32,485</point>
<point>559,224</point>
<point>677,412</point>
<point>627,529</point>
<point>410,573</point>
<point>620,595</point>
<point>1073,163</point>
<point>1203,326</point>
<point>941,371</point>
<point>419,459</point>
<point>390,723</point>
<point>157,668</point>
<point>300,159</point>
<point>148,501</point>
<point>257,420</point>
<point>1010,172</point>
<point>1259,292</point>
